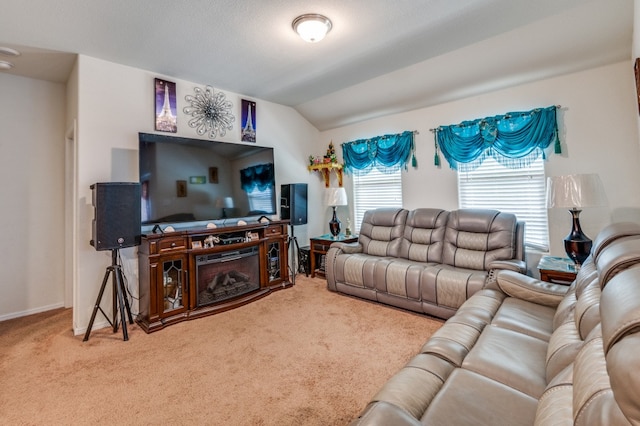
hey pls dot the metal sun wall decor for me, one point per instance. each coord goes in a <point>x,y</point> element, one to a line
<point>211,112</point>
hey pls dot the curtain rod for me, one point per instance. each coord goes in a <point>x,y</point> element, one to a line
<point>435,129</point>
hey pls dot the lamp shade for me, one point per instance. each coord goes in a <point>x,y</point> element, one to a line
<point>224,202</point>
<point>336,197</point>
<point>575,191</point>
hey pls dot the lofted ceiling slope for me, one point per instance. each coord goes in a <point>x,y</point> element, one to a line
<point>381,57</point>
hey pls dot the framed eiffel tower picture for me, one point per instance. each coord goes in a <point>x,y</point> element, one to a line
<point>248,121</point>
<point>165,106</point>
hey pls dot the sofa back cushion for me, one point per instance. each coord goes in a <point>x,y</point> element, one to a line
<point>424,235</point>
<point>382,230</point>
<point>476,237</point>
<point>614,232</point>
<point>606,383</point>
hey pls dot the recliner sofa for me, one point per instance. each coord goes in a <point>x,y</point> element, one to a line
<point>525,352</point>
<point>426,260</point>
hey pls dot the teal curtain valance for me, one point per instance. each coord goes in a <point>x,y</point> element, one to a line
<point>386,153</point>
<point>514,140</point>
<point>260,177</point>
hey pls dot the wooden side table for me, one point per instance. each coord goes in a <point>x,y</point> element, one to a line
<point>319,248</point>
<point>557,270</point>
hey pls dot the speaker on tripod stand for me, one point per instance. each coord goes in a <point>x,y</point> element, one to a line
<point>293,206</point>
<point>116,225</point>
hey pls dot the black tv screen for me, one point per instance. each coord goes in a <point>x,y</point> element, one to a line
<point>187,180</point>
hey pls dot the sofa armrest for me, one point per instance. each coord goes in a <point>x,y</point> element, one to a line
<point>335,250</point>
<point>510,265</point>
<point>348,248</point>
<point>530,289</point>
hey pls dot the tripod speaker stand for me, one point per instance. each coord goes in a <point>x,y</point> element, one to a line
<point>120,302</point>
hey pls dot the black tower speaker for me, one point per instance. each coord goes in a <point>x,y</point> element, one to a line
<point>116,222</point>
<point>293,203</point>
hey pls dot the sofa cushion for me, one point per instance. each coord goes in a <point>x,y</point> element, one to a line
<point>382,230</point>
<point>614,232</point>
<point>450,286</point>
<point>474,238</point>
<point>499,404</point>
<point>414,387</point>
<point>526,318</point>
<point>424,235</point>
<point>511,358</point>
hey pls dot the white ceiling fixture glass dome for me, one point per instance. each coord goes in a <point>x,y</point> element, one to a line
<point>312,27</point>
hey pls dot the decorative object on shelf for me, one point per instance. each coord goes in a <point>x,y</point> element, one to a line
<point>224,203</point>
<point>515,139</point>
<point>312,27</point>
<point>198,180</point>
<point>181,188</point>
<point>387,153</point>
<point>169,229</point>
<point>211,225</point>
<point>166,106</point>
<point>575,192</point>
<point>326,164</point>
<point>336,197</point>
<point>196,244</point>
<point>241,222</point>
<point>211,112</point>
<point>248,121</point>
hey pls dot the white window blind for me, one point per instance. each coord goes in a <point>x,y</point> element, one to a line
<point>518,191</point>
<point>374,190</point>
<point>261,201</point>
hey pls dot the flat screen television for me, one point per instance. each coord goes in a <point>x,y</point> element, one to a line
<point>185,181</point>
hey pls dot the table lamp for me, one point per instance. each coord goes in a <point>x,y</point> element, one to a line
<point>575,192</point>
<point>224,203</point>
<point>336,197</point>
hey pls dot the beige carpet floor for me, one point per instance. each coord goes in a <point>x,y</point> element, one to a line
<point>300,356</point>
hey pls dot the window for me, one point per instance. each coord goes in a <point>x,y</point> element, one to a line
<point>518,191</point>
<point>374,190</point>
<point>261,201</point>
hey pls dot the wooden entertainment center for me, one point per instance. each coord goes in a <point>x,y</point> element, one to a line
<point>192,273</point>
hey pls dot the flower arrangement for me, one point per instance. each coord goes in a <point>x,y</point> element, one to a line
<point>328,158</point>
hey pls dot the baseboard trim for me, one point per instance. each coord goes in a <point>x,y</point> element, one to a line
<point>96,326</point>
<point>31,311</point>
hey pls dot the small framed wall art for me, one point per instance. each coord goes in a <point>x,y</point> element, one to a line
<point>165,106</point>
<point>248,121</point>
<point>213,175</point>
<point>181,188</point>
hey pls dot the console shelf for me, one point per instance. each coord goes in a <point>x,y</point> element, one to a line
<point>192,273</point>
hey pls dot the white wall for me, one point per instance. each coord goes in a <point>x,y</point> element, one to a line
<point>115,103</point>
<point>32,117</point>
<point>598,130</point>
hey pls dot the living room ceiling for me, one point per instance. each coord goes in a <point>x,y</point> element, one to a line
<point>381,56</point>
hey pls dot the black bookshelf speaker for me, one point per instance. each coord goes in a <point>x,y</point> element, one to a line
<point>293,203</point>
<point>116,223</point>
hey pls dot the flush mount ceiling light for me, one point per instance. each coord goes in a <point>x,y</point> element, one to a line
<point>312,27</point>
<point>4,65</point>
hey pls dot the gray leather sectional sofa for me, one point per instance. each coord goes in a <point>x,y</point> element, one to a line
<point>426,260</point>
<point>524,352</point>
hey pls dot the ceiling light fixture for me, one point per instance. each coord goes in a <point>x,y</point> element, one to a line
<point>312,27</point>
<point>4,65</point>
<point>7,51</point>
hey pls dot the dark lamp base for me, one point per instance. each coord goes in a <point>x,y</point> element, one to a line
<point>334,224</point>
<point>577,244</point>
